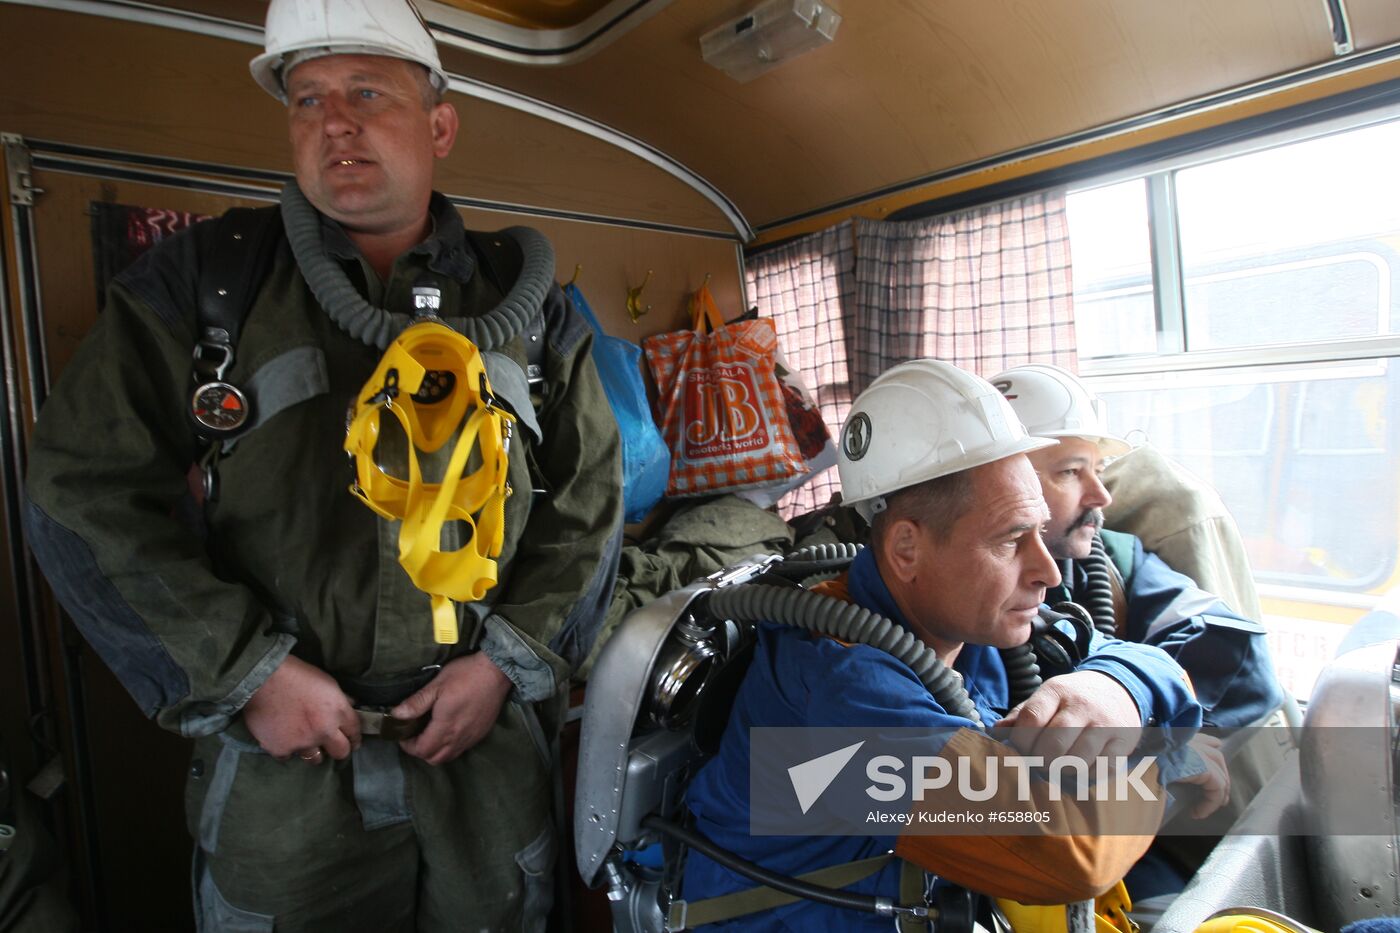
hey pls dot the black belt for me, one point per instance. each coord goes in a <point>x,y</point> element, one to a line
<point>378,723</point>
<point>374,697</point>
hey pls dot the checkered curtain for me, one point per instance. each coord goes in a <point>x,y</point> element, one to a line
<point>805,287</point>
<point>983,289</point>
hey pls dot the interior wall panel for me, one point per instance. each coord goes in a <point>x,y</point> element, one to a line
<point>20,685</point>
<point>614,259</point>
<point>1361,81</point>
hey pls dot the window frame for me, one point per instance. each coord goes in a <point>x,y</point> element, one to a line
<point>1169,295</point>
<point>1168,282</point>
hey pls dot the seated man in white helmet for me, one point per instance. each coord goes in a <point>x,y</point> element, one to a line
<point>372,691</point>
<point>934,458</point>
<point>1132,593</point>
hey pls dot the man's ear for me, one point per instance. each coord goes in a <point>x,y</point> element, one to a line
<point>901,548</point>
<point>443,122</point>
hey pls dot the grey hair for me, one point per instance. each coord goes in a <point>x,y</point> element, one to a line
<point>937,503</point>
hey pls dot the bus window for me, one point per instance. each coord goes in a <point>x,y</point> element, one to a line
<point>1113,301</point>
<point>1188,281</point>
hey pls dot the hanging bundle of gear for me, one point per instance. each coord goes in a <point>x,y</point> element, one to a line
<point>433,381</point>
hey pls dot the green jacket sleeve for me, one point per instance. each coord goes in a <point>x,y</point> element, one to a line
<point>550,608</point>
<point>109,511</point>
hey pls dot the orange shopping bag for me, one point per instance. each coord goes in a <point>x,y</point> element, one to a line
<point>720,404</point>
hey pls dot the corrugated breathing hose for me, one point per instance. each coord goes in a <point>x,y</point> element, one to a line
<point>824,615</point>
<point>377,327</point>
<point>1098,592</point>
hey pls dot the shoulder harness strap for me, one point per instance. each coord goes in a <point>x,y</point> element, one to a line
<point>234,260</point>
<point>501,261</point>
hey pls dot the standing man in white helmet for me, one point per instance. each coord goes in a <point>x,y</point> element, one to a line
<point>373,692</point>
<point>935,460</point>
<point>1132,594</point>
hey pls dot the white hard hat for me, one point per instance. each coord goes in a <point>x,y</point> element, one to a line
<point>297,30</point>
<point>918,421</point>
<point>1052,402</point>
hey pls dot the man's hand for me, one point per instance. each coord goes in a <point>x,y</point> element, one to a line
<point>301,710</point>
<point>1214,781</point>
<point>464,698</point>
<point>1084,714</point>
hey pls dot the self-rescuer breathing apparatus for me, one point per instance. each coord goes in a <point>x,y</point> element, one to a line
<point>433,381</point>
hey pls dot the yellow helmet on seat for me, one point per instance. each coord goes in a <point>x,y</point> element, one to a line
<point>1251,920</point>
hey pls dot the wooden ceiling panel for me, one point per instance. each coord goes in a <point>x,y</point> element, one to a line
<point>532,14</point>
<point>186,99</point>
<point>187,96</point>
<point>910,87</point>
<point>511,157</point>
<point>1374,23</point>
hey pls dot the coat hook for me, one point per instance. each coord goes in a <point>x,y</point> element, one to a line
<point>705,283</point>
<point>578,267</point>
<point>634,300</point>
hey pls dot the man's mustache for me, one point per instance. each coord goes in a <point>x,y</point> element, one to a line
<point>1092,517</point>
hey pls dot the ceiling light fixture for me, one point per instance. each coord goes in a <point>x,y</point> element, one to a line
<point>771,33</point>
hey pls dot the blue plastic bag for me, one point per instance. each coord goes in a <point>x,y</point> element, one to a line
<point>646,460</point>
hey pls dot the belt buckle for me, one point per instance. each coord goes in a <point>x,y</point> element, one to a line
<point>375,720</point>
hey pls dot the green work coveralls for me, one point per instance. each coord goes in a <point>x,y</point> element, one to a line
<point>194,607</point>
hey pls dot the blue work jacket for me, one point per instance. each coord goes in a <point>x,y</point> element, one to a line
<point>797,679</point>
<point>1225,655</point>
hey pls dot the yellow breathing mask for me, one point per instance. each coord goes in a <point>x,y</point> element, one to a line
<point>432,380</point>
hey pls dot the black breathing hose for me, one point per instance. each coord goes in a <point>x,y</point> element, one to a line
<point>833,897</point>
<point>1022,672</point>
<point>1098,592</point>
<point>825,615</point>
<point>815,563</point>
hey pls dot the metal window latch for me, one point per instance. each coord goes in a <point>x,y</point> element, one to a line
<point>19,171</point>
